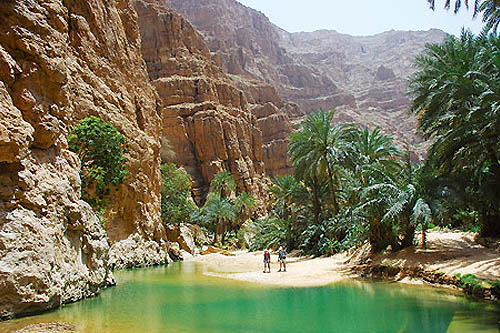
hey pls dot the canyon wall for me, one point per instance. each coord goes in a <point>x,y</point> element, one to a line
<point>230,47</point>
<point>62,61</point>
<point>204,117</point>
<point>364,78</point>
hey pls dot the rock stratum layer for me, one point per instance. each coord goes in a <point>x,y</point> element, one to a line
<point>62,61</point>
<point>364,78</point>
<point>205,118</point>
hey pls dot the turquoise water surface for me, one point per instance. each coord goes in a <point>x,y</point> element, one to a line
<point>179,298</point>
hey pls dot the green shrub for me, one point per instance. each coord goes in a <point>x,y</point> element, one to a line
<point>270,232</point>
<point>470,283</point>
<point>176,204</point>
<point>99,146</point>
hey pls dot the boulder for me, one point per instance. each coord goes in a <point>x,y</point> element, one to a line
<point>135,251</point>
<point>182,235</point>
<point>174,251</point>
<point>186,240</point>
<point>199,235</point>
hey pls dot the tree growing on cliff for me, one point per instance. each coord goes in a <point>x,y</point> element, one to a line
<point>223,184</point>
<point>176,203</point>
<point>100,147</point>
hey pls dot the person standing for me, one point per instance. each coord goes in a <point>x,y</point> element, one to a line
<point>267,261</point>
<point>282,259</point>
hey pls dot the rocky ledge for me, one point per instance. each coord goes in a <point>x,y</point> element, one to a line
<point>60,62</point>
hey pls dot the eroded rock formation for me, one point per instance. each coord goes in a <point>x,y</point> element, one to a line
<point>235,48</point>
<point>364,78</point>
<point>62,61</point>
<point>205,118</point>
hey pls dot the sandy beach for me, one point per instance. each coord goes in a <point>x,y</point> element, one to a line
<point>447,252</point>
<point>301,271</point>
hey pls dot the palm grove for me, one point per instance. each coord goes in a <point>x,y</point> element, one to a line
<point>352,184</point>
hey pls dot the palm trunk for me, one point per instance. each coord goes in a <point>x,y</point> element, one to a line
<point>316,203</point>
<point>490,226</point>
<point>216,230</point>
<point>332,187</point>
<point>409,234</point>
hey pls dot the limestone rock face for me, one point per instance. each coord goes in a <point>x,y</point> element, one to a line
<point>373,69</point>
<point>135,251</point>
<point>364,78</point>
<point>276,128</point>
<point>62,61</point>
<point>205,118</point>
<point>239,50</point>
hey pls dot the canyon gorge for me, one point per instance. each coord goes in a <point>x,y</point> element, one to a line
<point>215,81</point>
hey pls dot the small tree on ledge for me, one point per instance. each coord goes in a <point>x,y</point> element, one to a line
<point>99,145</point>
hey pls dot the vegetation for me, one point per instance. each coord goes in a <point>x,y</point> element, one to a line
<point>490,10</point>
<point>470,283</point>
<point>456,97</point>
<point>352,184</point>
<point>100,148</point>
<point>176,203</point>
<point>224,212</point>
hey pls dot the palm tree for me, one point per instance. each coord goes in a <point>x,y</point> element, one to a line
<point>317,149</point>
<point>220,213</point>
<point>393,205</point>
<point>314,191</point>
<point>223,184</point>
<point>283,190</point>
<point>287,199</point>
<point>374,153</point>
<point>455,93</point>
<point>491,15</point>
<point>407,205</point>
<point>375,199</point>
<point>245,206</point>
<point>273,232</point>
<point>458,5</point>
<point>490,10</point>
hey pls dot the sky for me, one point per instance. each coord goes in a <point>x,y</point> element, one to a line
<point>363,17</point>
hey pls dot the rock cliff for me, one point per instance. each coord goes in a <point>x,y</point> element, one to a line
<point>62,61</point>
<point>364,78</point>
<point>235,49</point>
<point>205,118</point>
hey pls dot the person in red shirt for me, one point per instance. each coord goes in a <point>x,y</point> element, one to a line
<point>267,261</point>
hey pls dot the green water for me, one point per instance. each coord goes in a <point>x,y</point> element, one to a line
<point>179,298</point>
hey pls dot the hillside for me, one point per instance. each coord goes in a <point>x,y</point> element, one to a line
<point>364,78</point>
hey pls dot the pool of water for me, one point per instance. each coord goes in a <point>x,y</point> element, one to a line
<point>179,298</point>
